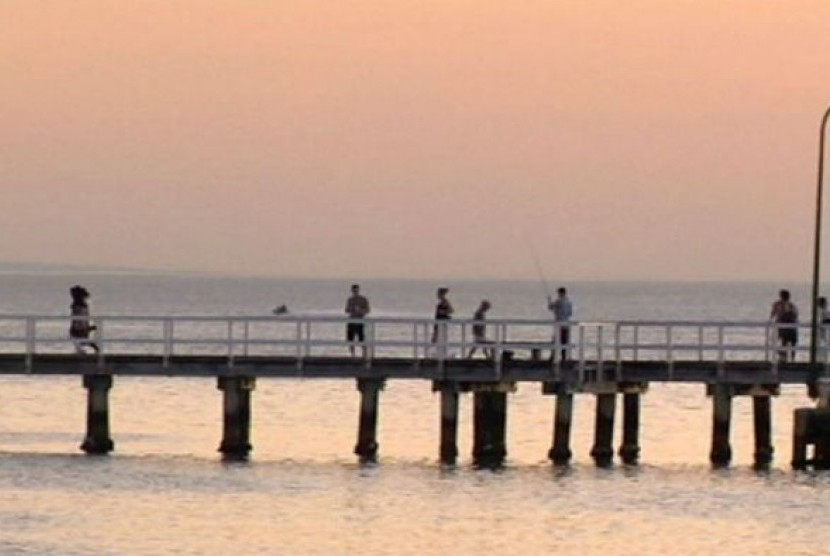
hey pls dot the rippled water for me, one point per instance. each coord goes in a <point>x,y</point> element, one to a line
<point>164,489</point>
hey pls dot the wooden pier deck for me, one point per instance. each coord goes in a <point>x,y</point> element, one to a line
<point>403,368</point>
<point>608,360</point>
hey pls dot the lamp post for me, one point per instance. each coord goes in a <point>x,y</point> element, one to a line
<point>817,240</point>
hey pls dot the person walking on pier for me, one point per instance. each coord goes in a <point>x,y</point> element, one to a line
<point>562,310</point>
<point>785,315</point>
<point>480,331</point>
<point>80,327</point>
<point>357,307</point>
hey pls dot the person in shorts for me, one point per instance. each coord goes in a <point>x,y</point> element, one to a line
<point>80,327</point>
<point>357,307</point>
<point>785,314</point>
<point>480,330</point>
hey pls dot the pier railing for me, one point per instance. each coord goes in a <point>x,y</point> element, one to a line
<point>302,337</point>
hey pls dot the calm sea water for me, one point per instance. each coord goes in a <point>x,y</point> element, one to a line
<point>165,491</point>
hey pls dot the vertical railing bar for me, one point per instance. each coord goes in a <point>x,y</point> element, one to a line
<point>230,342</point>
<point>30,329</point>
<point>617,350</point>
<point>100,340</point>
<point>415,340</point>
<point>636,341</point>
<point>167,337</point>
<point>721,354</point>
<point>700,342</point>
<point>581,329</point>
<point>246,337</point>
<point>670,350</point>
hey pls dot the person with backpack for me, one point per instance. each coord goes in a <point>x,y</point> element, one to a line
<point>784,314</point>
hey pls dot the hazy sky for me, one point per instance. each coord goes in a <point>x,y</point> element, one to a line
<point>439,139</point>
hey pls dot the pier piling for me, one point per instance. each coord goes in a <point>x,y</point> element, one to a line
<point>811,427</point>
<point>97,440</point>
<point>721,453</point>
<point>603,449</point>
<point>448,451</point>
<point>490,428</point>
<point>630,448</point>
<point>560,453</point>
<point>236,429</point>
<point>762,420</point>
<point>367,445</point>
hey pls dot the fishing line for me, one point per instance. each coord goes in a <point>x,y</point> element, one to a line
<point>538,266</point>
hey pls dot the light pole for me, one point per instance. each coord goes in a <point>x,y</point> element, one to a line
<point>817,241</point>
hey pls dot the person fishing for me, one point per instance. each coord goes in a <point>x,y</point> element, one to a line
<point>562,310</point>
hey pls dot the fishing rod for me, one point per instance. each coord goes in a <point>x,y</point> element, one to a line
<point>539,271</point>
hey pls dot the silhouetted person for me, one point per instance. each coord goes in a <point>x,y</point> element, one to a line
<point>443,311</point>
<point>357,307</point>
<point>785,314</point>
<point>480,330</point>
<point>562,310</point>
<point>80,327</point>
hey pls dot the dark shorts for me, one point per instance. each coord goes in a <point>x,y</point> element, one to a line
<point>354,331</point>
<point>788,336</point>
<point>565,335</point>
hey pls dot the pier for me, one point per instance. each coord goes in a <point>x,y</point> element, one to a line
<point>614,362</point>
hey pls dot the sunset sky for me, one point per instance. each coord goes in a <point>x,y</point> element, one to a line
<point>647,139</point>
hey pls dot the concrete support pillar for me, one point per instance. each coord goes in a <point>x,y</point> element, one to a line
<point>367,445</point>
<point>97,440</point>
<point>236,409</point>
<point>560,452</point>
<point>490,429</point>
<point>721,453</point>
<point>603,450</point>
<point>629,450</point>
<point>449,422</point>
<point>762,421</point>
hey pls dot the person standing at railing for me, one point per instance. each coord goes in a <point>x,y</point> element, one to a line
<point>80,327</point>
<point>480,330</point>
<point>785,315</point>
<point>562,310</point>
<point>357,307</point>
<point>443,312</point>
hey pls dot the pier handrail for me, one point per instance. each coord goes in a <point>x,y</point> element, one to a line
<point>595,343</point>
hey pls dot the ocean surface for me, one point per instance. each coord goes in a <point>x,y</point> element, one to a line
<point>164,490</point>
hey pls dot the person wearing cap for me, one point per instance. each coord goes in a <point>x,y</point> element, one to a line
<point>80,327</point>
<point>357,307</point>
<point>480,330</point>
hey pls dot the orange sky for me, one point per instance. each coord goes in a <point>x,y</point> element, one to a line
<point>645,139</point>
